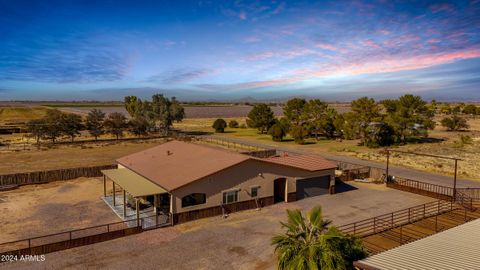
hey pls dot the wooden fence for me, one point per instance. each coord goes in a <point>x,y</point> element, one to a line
<point>52,175</point>
<point>70,239</point>
<point>398,218</point>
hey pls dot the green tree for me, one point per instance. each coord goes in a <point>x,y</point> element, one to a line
<point>161,112</point>
<point>261,117</point>
<point>219,125</point>
<point>298,133</point>
<point>37,129</point>
<point>277,131</point>
<point>115,124</point>
<point>139,126</point>
<point>470,109</point>
<point>347,125</point>
<point>294,111</point>
<point>409,116</point>
<point>94,123</point>
<point>367,111</point>
<point>133,105</point>
<point>71,124</point>
<point>233,124</point>
<point>379,134</point>
<point>53,128</point>
<point>455,123</point>
<point>309,242</point>
<point>315,116</point>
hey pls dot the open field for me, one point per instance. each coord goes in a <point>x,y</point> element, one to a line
<point>190,111</point>
<point>445,143</point>
<point>68,156</point>
<point>14,115</point>
<point>36,210</point>
<point>242,241</point>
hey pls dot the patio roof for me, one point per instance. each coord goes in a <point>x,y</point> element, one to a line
<point>133,183</point>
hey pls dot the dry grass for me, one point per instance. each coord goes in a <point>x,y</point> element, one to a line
<point>20,114</point>
<point>68,156</point>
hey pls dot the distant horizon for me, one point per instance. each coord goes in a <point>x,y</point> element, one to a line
<point>230,50</point>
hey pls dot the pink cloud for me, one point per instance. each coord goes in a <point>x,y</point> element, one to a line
<point>443,7</point>
<point>326,46</point>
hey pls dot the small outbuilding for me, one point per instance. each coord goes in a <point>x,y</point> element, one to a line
<point>191,181</point>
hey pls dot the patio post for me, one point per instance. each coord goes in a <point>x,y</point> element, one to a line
<point>114,193</point>
<point>137,206</point>
<point>104,186</point>
<point>155,203</point>
<point>124,204</point>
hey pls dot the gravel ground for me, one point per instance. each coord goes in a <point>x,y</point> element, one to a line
<point>242,241</point>
<point>36,210</point>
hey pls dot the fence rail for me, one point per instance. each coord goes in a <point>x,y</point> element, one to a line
<point>386,222</point>
<point>69,239</point>
<point>423,188</point>
<point>52,175</point>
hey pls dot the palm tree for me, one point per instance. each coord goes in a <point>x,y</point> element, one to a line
<point>311,243</point>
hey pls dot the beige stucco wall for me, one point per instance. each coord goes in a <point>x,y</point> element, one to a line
<point>242,176</point>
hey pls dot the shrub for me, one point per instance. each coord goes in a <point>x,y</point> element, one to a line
<point>277,132</point>
<point>454,123</point>
<point>233,124</point>
<point>219,125</point>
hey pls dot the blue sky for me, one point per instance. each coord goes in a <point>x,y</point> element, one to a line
<point>337,50</point>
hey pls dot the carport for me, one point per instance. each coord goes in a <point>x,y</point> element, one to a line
<point>134,184</point>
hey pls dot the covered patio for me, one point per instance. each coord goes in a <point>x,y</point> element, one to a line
<point>135,197</point>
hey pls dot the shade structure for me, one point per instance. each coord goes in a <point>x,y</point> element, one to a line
<point>456,248</point>
<point>134,184</point>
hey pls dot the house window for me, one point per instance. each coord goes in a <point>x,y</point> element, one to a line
<point>230,196</point>
<point>254,192</point>
<point>194,199</point>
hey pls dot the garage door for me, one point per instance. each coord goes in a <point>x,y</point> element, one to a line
<point>310,187</point>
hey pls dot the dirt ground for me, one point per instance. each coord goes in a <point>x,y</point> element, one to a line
<point>242,241</point>
<point>36,210</point>
<point>70,156</point>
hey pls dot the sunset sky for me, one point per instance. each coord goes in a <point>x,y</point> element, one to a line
<point>203,50</point>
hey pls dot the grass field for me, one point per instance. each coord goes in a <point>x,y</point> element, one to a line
<point>13,115</point>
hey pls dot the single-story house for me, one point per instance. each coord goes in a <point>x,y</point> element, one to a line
<point>190,181</point>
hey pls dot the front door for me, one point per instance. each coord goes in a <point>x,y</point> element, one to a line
<point>279,190</point>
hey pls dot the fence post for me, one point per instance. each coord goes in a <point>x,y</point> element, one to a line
<point>108,227</point>
<point>354,228</point>
<point>424,211</point>
<point>70,235</point>
<point>375,225</point>
<point>409,215</point>
<point>392,219</point>
<point>401,235</point>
